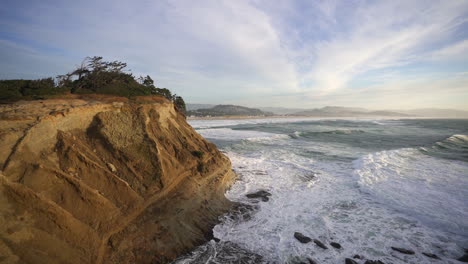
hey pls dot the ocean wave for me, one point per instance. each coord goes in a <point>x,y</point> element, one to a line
<point>454,147</point>
<point>213,123</point>
<point>235,134</point>
<point>272,137</point>
<point>298,134</point>
<point>431,189</point>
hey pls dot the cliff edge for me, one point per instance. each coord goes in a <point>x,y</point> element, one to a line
<point>105,180</point>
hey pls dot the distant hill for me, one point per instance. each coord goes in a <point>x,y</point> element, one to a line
<point>281,110</point>
<point>191,107</point>
<point>327,111</point>
<point>228,110</point>
<point>338,111</point>
<point>435,112</point>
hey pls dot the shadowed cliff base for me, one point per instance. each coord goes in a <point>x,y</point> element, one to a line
<point>102,179</point>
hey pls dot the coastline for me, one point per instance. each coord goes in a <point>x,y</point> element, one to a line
<point>235,117</point>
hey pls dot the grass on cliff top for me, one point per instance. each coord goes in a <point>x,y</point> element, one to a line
<point>93,76</point>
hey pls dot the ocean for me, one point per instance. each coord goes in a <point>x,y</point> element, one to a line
<point>367,184</point>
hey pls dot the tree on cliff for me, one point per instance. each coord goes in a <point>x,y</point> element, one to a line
<point>93,75</point>
<point>149,83</point>
<point>179,103</point>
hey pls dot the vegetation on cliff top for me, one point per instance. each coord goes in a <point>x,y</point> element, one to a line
<point>93,76</point>
<point>222,110</point>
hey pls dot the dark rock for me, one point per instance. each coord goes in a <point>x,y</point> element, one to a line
<point>320,244</point>
<point>350,261</point>
<point>259,172</point>
<point>241,212</point>
<point>430,255</point>
<point>262,194</point>
<point>357,256</point>
<point>463,258</point>
<point>302,238</point>
<point>335,245</point>
<point>222,252</point>
<point>403,250</point>
<point>311,261</point>
<point>373,262</point>
<point>216,239</point>
<point>293,260</point>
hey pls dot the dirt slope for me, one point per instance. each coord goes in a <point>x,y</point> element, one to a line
<point>105,180</point>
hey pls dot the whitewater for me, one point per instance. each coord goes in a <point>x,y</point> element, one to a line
<point>368,185</point>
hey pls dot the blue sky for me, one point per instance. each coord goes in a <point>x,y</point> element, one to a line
<point>376,54</point>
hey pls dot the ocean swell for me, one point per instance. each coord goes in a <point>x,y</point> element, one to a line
<point>432,189</point>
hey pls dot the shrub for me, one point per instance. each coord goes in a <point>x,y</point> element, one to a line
<point>198,153</point>
<point>94,75</point>
<point>200,167</point>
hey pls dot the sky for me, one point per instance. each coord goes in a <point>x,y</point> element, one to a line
<point>309,53</point>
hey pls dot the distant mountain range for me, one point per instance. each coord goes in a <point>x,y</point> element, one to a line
<point>337,111</point>
<point>226,110</point>
<point>434,112</point>
<point>191,107</point>
<point>327,111</point>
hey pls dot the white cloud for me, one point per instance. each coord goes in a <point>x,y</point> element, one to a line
<point>384,34</point>
<point>281,53</point>
<point>457,51</point>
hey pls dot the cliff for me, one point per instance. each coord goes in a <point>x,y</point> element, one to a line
<point>105,180</point>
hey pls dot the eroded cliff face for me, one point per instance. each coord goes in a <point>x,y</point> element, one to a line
<point>105,181</point>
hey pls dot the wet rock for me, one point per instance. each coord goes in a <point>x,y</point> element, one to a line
<point>262,194</point>
<point>430,255</point>
<point>259,172</point>
<point>297,260</point>
<point>307,177</point>
<point>350,261</point>
<point>320,244</point>
<point>335,245</point>
<point>222,252</point>
<point>404,250</point>
<point>357,256</point>
<point>311,261</point>
<point>463,258</point>
<point>373,262</point>
<point>302,238</point>
<point>241,212</point>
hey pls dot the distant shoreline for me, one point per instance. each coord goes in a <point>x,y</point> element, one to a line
<point>316,117</point>
<point>232,117</point>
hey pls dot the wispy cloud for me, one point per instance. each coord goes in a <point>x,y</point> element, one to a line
<point>382,35</point>
<point>251,51</point>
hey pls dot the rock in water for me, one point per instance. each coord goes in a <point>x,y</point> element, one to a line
<point>222,252</point>
<point>61,202</point>
<point>311,261</point>
<point>357,256</point>
<point>430,255</point>
<point>262,194</point>
<point>335,245</point>
<point>373,262</point>
<point>463,258</point>
<point>320,244</point>
<point>403,250</point>
<point>302,238</point>
<point>350,261</point>
<point>241,212</point>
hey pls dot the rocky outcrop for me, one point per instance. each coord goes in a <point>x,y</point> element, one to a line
<point>105,180</point>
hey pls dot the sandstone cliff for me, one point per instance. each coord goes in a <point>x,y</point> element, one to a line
<point>105,180</point>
